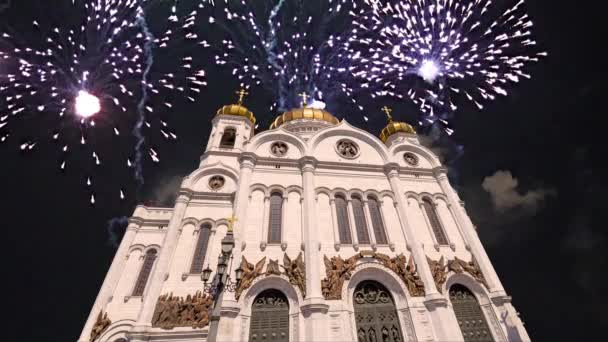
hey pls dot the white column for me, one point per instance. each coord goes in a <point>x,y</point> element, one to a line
<point>161,268</point>
<point>353,224</point>
<point>284,220</point>
<point>370,225</point>
<point>265,222</point>
<point>471,237</point>
<point>334,220</point>
<point>314,306</point>
<point>424,271</point>
<point>111,281</point>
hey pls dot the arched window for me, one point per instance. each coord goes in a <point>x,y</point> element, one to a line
<point>342,215</point>
<point>228,138</point>
<point>362,234</point>
<point>276,217</point>
<point>431,213</point>
<point>374,212</point>
<point>198,260</point>
<point>471,320</point>
<point>144,273</point>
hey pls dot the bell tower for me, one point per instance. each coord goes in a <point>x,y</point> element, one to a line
<point>233,126</point>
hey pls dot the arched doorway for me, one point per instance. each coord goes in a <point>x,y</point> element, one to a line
<point>269,317</point>
<point>471,320</point>
<point>376,314</point>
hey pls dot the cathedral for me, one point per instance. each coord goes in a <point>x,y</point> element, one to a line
<point>313,230</point>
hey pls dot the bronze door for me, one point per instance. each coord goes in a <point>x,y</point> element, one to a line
<point>269,317</point>
<point>471,320</point>
<point>376,314</point>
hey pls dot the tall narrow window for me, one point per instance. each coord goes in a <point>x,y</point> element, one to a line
<point>431,213</point>
<point>362,234</point>
<point>374,212</point>
<point>198,260</point>
<point>228,138</point>
<point>471,319</point>
<point>144,273</point>
<point>276,217</point>
<point>343,225</point>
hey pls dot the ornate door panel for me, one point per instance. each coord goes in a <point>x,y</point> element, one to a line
<point>473,324</point>
<point>376,314</point>
<point>269,317</point>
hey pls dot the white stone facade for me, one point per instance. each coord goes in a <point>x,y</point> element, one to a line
<point>308,176</point>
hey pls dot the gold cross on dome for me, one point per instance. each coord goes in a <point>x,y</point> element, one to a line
<point>231,221</point>
<point>388,112</point>
<point>304,97</point>
<point>242,93</point>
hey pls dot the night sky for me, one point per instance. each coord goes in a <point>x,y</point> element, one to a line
<point>548,250</point>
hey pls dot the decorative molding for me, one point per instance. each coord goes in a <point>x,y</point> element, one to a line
<point>101,324</point>
<point>338,270</point>
<point>191,311</point>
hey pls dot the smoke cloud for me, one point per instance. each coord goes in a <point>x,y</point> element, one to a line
<point>115,227</point>
<point>4,5</point>
<point>166,192</point>
<point>503,188</point>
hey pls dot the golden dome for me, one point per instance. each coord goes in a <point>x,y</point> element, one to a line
<point>237,110</point>
<point>305,113</point>
<point>396,127</point>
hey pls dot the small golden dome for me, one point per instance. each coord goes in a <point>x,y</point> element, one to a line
<point>237,110</point>
<point>396,127</point>
<point>306,114</point>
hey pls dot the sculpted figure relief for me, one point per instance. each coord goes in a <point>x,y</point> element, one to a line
<point>347,149</point>
<point>439,271</point>
<point>296,272</point>
<point>338,270</point>
<point>192,311</point>
<point>273,268</point>
<point>460,266</point>
<point>102,323</point>
<point>250,273</point>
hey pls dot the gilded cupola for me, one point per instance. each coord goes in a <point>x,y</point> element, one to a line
<point>305,113</point>
<point>238,109</point>
<point>394,127</point>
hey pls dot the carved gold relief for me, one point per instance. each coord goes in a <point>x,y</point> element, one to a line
<point>338,270</point>
<point>273,268</point>
<point>102,323</point>
<point>439,271</point>
<point>192,311</point>
<point>250,273</point>
<point>296,272</point>
<point>472,268</point>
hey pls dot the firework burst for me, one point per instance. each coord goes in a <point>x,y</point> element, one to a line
<point>285,46</point>
<point>65,81</point>
<point>435,52</point>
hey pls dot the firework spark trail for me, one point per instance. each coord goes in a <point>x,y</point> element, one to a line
<point>137,130</point>
<point>79,83</point>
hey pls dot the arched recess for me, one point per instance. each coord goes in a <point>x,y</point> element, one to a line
<point>117,331</point>
<point>220,168</point>
<point>347,130</point>
<point>282,284</point>
<point>483,299</point>
<point>373,271</point>
<point>423,152</point>
<point>376,316</point>
<point>268,136</point>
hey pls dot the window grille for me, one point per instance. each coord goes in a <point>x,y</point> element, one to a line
<point>144,273</point>
<point>374,212</point>
<point>276,218</point>
<point>360,223</point>
<point>431,213</point>
<point>343,225</point>
<point>202,243</point>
